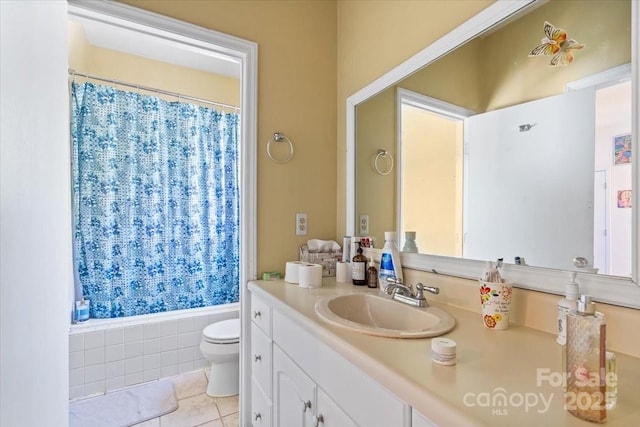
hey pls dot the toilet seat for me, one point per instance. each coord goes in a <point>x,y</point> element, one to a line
<point>223,332</point>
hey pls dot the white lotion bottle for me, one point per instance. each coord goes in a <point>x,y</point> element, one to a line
<point>389,260</point>
<point>569,302</point>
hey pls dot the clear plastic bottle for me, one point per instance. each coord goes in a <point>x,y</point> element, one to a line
<point>82,310</point>
<point>585,396</point>
<point>389,260</point>
<point>569,302</point>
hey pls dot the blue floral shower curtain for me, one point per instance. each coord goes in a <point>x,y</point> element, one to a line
<point>155,202</point>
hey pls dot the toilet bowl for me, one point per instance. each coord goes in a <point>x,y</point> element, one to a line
<point>220,345</point>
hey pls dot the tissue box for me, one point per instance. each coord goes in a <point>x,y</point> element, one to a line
<point>326,259</point>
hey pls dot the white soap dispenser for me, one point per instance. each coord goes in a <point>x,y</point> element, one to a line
<point>569,302</point>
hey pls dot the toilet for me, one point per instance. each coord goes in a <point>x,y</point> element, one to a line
<point>220,345</point>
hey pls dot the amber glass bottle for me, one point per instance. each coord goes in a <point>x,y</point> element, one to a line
<point>359,268</point>
<point>372,275</point>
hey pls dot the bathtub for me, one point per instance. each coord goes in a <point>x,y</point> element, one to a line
<point>109,354</point>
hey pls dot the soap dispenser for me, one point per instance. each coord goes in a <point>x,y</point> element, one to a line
<point>569,302</point>
<point>586,362</point>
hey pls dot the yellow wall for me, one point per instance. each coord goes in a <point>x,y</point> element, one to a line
<point>79,47</point>
<point>93,60</point>
<point>375,193</point>
<point>510,77</point>
<point>296,96</point>
<point>431,180</point>
<point>375,37</point>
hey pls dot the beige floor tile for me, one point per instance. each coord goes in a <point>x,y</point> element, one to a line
<point>232,420</point>
<point>227,405</point>
<point>192,411</point>
<point>190,384</point>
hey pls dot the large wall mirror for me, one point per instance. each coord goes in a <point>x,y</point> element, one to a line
<point>486,152</point>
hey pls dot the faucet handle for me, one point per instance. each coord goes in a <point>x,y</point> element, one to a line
<point>394,280</point>
<point>420,288</point>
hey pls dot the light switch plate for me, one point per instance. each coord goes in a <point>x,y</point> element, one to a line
<point>301,224</point>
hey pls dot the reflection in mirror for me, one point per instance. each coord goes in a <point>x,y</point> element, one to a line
<point>497,156</point>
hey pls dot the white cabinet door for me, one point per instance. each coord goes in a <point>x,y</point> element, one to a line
<point>293,393</point>
<point>542,190</point>
<point>365,400</point>
<point>329,414</point>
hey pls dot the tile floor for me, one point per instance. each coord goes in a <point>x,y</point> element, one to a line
<point>195,407</point>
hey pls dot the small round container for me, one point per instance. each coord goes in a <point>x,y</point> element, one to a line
<point>443,351</point>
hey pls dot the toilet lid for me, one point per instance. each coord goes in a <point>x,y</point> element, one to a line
<point>225,331</point>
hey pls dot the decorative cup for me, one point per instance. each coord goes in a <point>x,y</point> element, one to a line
<point>496,303</point>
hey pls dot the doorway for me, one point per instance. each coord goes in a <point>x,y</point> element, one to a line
<point>150,37</point>
<point>430,186</point>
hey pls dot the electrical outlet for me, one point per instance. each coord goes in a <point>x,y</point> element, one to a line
<point>364,225</point>
<point>301,224</point>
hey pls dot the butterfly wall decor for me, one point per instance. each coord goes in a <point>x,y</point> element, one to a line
<point>555,43</point>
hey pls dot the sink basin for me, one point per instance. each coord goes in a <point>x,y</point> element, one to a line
<point>376,315</point>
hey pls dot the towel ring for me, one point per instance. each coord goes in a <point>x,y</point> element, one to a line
<point>383,154</point>
<point>280,137</point>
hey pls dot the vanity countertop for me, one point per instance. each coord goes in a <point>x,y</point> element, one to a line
<point>507,377</point>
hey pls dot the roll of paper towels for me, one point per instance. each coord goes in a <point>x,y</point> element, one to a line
<point>291,271</point>
<point>310,275</point>
<point>343,272</point>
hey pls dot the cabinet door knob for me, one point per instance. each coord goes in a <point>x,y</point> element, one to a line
<point>306,405</point>
<point>319,419</point>
<point>257,357</point>
<point>256,314</point>
<point>257,416</point>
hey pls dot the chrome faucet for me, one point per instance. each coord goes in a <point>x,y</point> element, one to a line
<point>405,294</point>
<point>395,286</point>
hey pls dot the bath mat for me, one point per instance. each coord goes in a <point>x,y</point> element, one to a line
<point>125,407</point>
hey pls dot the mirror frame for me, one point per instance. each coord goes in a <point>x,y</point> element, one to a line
<point>607,289</point>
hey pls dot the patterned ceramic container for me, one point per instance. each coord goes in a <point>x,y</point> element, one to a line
<point>496,304</point>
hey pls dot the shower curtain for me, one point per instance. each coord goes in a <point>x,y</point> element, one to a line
<point>155,202</point>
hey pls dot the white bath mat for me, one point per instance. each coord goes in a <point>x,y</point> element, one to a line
<point>125,407</point>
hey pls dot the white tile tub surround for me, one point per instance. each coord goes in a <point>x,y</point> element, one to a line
<point>106,355</point>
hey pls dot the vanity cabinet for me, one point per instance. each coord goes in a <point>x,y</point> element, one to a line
<point>298,401</point>
<point>298,380</point>
<point>261,365</point>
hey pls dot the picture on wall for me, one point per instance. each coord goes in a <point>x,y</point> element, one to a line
<point>622,149</point>
<point>624,198</point>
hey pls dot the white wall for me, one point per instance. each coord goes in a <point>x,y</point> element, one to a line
<point>530,186</point>
<point>35,234</point>
<point>613,113</point>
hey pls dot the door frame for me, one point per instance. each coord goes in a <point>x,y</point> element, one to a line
<point>245,53</point>
<point>435,106</point>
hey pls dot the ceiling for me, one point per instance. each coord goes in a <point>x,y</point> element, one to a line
<point>135,43</point>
